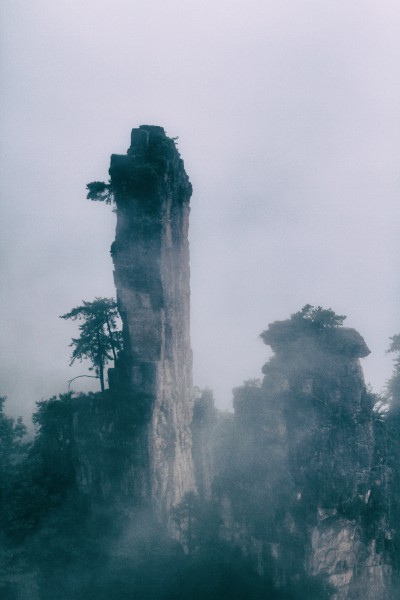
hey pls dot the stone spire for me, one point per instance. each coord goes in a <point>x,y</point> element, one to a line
<point>151,260</point>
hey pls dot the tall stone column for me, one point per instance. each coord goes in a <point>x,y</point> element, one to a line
<point>151,260</point>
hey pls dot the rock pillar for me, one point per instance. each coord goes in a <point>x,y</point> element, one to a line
<point>151,260</point>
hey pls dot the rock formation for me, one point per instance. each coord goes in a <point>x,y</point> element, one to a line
<point>299,476</point>
<point>308,491</point>
<point>144,420</point>
<point>294,489</point>
<point>151,259</point>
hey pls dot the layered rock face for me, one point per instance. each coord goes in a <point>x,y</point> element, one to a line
<point>308,496</point>
<point>151,260</point>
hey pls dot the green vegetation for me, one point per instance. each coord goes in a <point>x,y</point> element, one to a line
<point>100,191</point>
<point>393,442</point>
<point>99,339</point>
<point>318,317</point>
<point>42,480</point>
<point>311,321</point>
<point>394,382</point>
<point>60,540</point>
<point>12,452</point>
<point>12,447</point>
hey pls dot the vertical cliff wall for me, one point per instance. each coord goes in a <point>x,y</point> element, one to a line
<point>151,260</point>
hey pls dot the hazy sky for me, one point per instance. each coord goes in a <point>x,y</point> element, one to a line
<point>287,113</point>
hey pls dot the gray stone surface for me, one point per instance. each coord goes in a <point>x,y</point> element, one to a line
<point>151,260</point>
<point>310,481</point>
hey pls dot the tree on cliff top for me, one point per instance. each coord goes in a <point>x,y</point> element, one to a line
<point>320,323</point>
<point>318,317</point>
<point>99,339</point>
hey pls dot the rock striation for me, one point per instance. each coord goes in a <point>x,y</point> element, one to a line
<point>151,259</point>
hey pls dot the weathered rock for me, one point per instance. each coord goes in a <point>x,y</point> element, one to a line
<point>133,444</point>
<point>309,478</point>
<point>151,259</point>
<point>350,563</point>
<point>346,341</point>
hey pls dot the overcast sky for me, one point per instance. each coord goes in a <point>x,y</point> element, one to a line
<point>287,113</point>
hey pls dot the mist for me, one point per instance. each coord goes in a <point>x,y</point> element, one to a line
<point>287,117</point>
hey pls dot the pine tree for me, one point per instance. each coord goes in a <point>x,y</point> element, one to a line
<point>99,339</point>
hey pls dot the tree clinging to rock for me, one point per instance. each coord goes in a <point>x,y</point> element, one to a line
<point>99,339</point>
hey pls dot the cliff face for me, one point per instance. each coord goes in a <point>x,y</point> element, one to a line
<point>134,444</point>
<point>151,259</point>
<point>308,495</point>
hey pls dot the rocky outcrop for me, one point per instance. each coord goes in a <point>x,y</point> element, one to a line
<point>151,260</point>
<point>309,480</point>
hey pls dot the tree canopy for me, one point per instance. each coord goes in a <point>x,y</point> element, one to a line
<point>319,323</point>
<point>100,191</point>
<point>100,339</point>
<point>318,317</point>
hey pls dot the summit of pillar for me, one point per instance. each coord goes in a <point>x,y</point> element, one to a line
<point>143,135</point>
<point>146,171</point>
